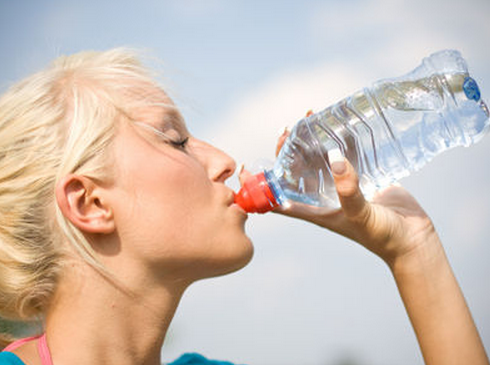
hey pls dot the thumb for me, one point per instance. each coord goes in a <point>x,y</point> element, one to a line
<point>354,206</point>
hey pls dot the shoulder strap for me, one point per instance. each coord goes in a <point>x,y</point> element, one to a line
<point>20,342</point>
<point>43,350</point>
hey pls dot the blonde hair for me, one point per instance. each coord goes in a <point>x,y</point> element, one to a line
<point>58,121</point>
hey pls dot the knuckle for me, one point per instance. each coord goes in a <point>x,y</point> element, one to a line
<point>347,189</point>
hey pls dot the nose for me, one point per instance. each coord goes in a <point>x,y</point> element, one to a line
<point>220,166</point>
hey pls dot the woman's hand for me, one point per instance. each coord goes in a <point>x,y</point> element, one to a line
<point>393,225</point>
<point>396,228</point>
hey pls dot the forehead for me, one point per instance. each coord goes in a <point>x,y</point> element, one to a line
<point>152,105</point>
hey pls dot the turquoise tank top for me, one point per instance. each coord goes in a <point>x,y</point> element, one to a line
<point>9,358</point>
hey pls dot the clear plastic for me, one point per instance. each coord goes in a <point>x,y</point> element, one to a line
<point>386,131</point>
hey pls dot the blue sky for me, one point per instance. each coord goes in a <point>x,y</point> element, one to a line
<point>243,70</point>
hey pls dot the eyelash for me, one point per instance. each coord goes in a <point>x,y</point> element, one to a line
<point>180,144</point>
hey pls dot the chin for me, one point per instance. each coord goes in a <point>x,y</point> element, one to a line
<point>245,257</point>
<point>231,260</point>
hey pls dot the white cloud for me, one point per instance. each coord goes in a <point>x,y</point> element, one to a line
<point>248,130</point>
<point>410,26</point>
<point>403,33</point>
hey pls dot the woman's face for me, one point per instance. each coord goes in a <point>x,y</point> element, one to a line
<point>172,209</point>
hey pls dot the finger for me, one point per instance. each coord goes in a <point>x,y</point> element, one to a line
<point>243,175</point>
<point>286,134</point>
<point>346,181</point>
<point>281,140</point>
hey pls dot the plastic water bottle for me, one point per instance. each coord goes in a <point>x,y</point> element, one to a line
<point>386,131</point>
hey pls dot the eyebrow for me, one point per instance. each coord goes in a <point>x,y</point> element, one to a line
<point>175,119</point>
<point>154,130</point>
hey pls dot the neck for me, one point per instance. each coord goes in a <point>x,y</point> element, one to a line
<point>94,321</point>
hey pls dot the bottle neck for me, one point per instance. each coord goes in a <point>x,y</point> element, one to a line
<point>256,195</point>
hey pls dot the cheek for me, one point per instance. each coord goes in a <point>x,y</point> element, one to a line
<point>166,197</point>
<point>172,176</point>
<point>183,189</point>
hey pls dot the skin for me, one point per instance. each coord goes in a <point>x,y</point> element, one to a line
<point>396,228</point>
<point>165,221</point>
<point>168,220</point>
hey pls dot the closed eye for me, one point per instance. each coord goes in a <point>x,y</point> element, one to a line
<point>180,143</point>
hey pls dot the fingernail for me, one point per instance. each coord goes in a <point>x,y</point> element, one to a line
<point>242,166</point>
<point>337,161</point>
<point>284,131</point>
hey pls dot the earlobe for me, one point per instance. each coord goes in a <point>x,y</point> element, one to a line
<point>81,201</point>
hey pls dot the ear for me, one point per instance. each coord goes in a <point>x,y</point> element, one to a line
<point>82,201</point>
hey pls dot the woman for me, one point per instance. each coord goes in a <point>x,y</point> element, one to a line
<point>110,209</point>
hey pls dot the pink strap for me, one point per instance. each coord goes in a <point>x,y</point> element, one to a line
<point>43,350</point>
<point>42,347</point>
<point>20,342</point>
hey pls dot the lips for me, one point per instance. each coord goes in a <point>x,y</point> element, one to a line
<point>230,202</point>
<point>230,199</point>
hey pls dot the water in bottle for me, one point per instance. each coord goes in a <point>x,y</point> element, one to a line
<point>386,131</point>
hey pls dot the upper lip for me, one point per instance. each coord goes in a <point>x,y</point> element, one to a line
<point>231,197</point>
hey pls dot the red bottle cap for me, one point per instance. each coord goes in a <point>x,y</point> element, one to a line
<point>256,196</point>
